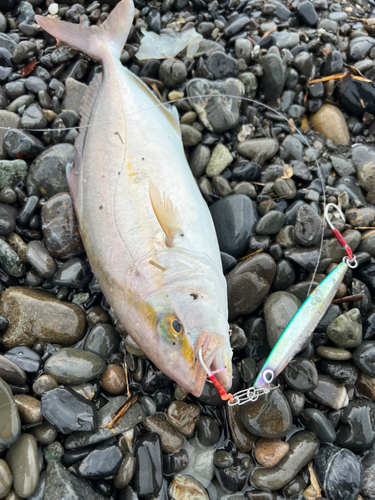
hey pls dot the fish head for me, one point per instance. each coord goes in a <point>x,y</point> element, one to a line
<point>181,308</point>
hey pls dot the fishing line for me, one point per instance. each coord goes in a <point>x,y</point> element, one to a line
<point>303,139</point>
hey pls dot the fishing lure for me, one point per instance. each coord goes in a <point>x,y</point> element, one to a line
<point>298,330</point>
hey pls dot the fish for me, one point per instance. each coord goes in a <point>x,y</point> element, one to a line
<point>146,230</point>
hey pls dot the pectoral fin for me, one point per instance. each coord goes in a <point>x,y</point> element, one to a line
<point>167,215</point>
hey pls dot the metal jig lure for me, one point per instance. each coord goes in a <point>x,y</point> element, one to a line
<point>298,330</point>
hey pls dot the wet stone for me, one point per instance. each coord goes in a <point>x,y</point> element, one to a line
<point>279,309</point>
<point>41,260</point>
<point>6,478</point>
<point>74,274</point>
<point>126,471</point>
<point>270,223</point>
<point>346,330</point>
<point>201,464</point>
<point>302,448</point>
<point>10,260</point>
<point>269,452</point>
<point>59,322</point>
<point>72,366</point>
<point>28,408</point>
<point>183,487</point>
<point>233,478</point>
<point>365,385</point>
<point>183,416</point>
<point>330,122</point>
<point>368,464</point>
<point>22,458</point>
<point>25,358</point>
<point>251,278</point>
<point>333,353</point>
<point>10,424</point>
<point>316,422</point>
<point>356,432</point>
<point>219,161</point>
<point>148,474</point>
<point>68,410</point>
<point>301,375</point>
<point>208,431</point>
<point>113,380</point>
<point>235,218</point>
<point>190,136</point>
<point>62,484</point>
<point>364,358</point>
<point>7,219</point>
<point>60,227</point>
<point>339,472</point>
<point>274,76</point>
<point>308,226</point>
<point>10,372</point>
<point>296,401</point>
<point>223,459</point>
<point>343,371</point>
<point>47,172</point>
<point>133,416</point>
<point>284,276</point>
<point>45,433</point>
<point>252,147</point>
<point>221,65</point>
<point>329,393</point>
<point>171,439</point>
<point>176,462</point>
<point>269,416</point>
<point>217,114</point>
<point>100,463</point>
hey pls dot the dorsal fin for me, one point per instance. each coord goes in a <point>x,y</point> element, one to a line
<point>170,111</point>
<point>167,215</point>
<point>86,111</point>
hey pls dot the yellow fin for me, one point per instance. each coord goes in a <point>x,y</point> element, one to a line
<point>167,215</point>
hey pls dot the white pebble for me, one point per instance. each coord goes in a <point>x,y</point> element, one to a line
<point>53,8</point>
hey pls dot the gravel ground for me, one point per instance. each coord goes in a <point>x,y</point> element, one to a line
<point>63,351</point>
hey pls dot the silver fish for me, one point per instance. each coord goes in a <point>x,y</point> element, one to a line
<point>146,230</point>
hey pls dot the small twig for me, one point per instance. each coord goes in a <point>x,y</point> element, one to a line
<point>373,228</point>
<point>251,254</point>
<point>126,378</point>
<point>121,412</point>
<point>258,183</point>
<point>349,298</point>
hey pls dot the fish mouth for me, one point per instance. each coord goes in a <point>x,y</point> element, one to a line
<point>217,358</point>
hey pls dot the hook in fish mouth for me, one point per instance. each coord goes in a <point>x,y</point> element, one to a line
<point>216,360</point>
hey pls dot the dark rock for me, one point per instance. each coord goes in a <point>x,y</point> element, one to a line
<point>60,227</point>
<point>66,486</point>
<point>21,144</point>
<point>316,422</point>
<point>7,219</point>
<point>68,410</point>
<point>307,13</point>
<point>308,226</point>
<point>208,431</point>
<point>269,416</point>
<point>302,448</point>
<point>364,358</point>
<point>329,393</point>
<point>73,366</point>
<point>339,472</point>
<point>148,475</point>
<point>25,358</point>
<point>248,284</point>
<point>357,434</point>
<point>221,65</point>
<point>301,375</point>
<point>235,218</point>
<point>102,462</point>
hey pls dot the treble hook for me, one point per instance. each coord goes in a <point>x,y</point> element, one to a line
<point>350,260</point>
<point>326,214</point>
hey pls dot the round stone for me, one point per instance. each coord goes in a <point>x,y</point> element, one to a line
<point>208,431</point>
<point>22,458</point>
<point>269,452</point>
<point>113,380</point>
<point>28,408</point>
<point>183,416</point>
<point>269,416</point>
<point>73,366</point>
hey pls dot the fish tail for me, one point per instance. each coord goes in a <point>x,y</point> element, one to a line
<point>98,42</point>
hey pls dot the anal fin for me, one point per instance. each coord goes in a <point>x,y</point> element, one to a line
<point>167,215</point>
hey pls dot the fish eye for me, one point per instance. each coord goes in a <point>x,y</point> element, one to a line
<point>176,326</point>
<point>268,376</point>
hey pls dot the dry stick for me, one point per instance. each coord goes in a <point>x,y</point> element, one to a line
<point>126,378</point>
<point>349,298</point>
<point>118,416</point>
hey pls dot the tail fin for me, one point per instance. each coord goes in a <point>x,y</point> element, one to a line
<point>97,40</point>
